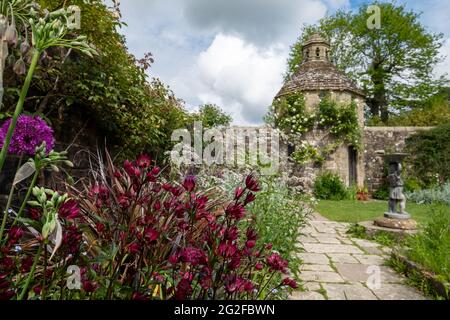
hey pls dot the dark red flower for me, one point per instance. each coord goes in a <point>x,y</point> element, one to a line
<point>251,184</point>
<point>227,249</point>
<point>290,282</point>
<point>183,289</point>
<point>189,183</point>
<point>193,256</point>
<point>235,211</point>
<point>124,201</point>
<point>259,266</point>
<point>231,233</point>
<point>250,244</point>
<point>14,235</point>
<point>139,296</point>
<point>249,198</point>
<point>238,193</point>
<point>276,262</point>
<point>173,259</point>
<point>143,160</point>
<point>100,227</point>
<point>26,264</point>
<point>69,210</point>
<point>89,286</point>
<point>34,213</point>
<point>251,234</point>
<point>134,248</point>
<point>268,246</point>
<point>150,234</point>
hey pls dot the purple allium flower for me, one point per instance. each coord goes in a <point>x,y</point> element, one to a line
<point>29,134</point>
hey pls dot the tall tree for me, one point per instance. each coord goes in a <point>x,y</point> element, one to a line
<point>212,115</point>
<point>393,64</point>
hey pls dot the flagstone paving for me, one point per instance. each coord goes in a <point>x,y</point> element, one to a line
<point>339,267</point>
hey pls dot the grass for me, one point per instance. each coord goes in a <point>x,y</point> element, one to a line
<point>357,211</point>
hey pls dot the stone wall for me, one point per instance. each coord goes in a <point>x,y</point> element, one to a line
<point>387,139</point>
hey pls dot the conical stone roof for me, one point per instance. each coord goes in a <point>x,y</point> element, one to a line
<point>317,72</point>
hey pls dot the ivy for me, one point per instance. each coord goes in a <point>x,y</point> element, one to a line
<point>289,114</point>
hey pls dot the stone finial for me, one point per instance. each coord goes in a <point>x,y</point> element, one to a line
<point>316,48</point>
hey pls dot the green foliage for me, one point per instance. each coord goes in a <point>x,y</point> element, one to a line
<point>341,120</point>
<point>212,116</point>
<point>437,194</point>
<point>431,247</point>
<point>430,154</point>
<point>279,219</point>
<point>380,59</point>
<point>384,238</point>
<point>289,114</point>
<point>305,153</point>
<point>433,112</point>
<point>329,186</point>
<point>112,89</point>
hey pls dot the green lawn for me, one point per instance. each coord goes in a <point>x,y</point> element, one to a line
<point>356,211</point>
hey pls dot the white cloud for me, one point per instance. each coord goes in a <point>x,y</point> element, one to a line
<point>233,52</point>
<point>240,77</point>
<point>444,67</point>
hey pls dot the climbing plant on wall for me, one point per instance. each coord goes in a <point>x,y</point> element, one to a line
<point>289,114</point>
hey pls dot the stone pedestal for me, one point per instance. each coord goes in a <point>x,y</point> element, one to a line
<point>399,216</point>
<point>395,223</point>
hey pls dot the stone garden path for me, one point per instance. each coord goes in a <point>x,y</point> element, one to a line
<point>339,267</point>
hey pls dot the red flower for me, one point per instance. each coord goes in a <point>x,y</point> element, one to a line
<point>124,201</point>
<point>259,266</point>
<point>238,193</point>
<point>14,235</point>
<point>34,213</point>
<point>193,256</point>
<point>143,160</point>
<point>250,244</point>
<point>100,227</point>
<point>138,296</point>
<point>89,286</point>
<point>251,234</point>
<point>69,210</point>
<point>276,262</point>
<point>249,198</point>
<point>134,248</point>
<point>150,234</point>
<point>227,249</point>
<point>189,183</point>
<point>183,289</point>
<point>290,282</point>
<point>231,233</point>
<point>251,184</point>
<point>235,211</point>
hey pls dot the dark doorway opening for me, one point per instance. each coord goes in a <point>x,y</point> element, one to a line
<point>352,165</point>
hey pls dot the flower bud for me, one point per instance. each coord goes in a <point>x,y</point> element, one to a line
<point>24,47</point>
<point>19,67</point>
<point>11,35</point>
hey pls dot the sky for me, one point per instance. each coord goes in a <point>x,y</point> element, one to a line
<point>233,52</point>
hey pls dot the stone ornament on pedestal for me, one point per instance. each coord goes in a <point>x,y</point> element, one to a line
<point>396,217</point>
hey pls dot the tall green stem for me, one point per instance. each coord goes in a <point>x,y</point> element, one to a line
<point>27,196</point>
<point>31,274</point>
<point>8,204</point>
<point>19,107</point>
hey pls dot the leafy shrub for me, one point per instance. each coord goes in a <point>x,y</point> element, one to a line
<point>136,235</point>
<point>430,152</point>
<point>431,247</point>
<point>329,186</point>
<point>279,213</point>
<point>438,194</point>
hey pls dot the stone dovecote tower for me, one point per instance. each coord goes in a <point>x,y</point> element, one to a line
<point>316,77</point>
